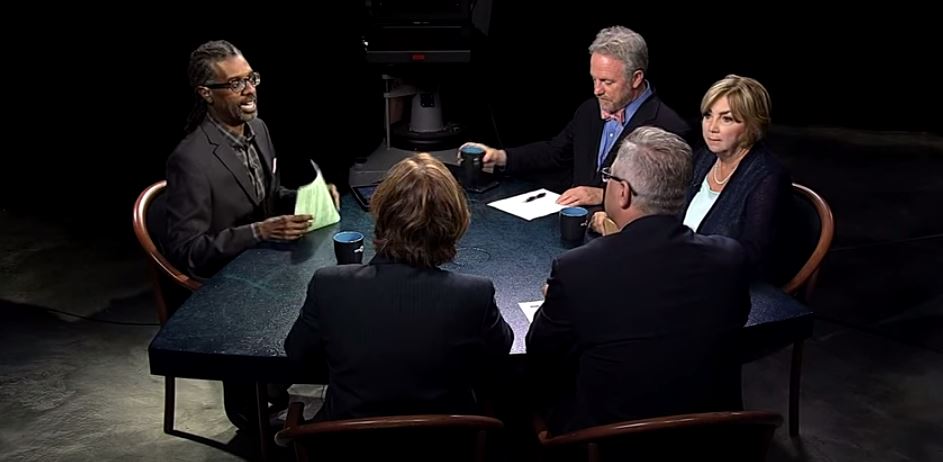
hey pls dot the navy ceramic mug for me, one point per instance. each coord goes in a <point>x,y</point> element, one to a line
<point>573,223</point>
<point>348,247</point>
<point>472,164</point>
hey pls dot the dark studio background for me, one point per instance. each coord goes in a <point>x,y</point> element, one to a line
<point>100,97</point>
<point>95,117</point>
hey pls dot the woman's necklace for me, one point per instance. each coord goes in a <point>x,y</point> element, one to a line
<point>720,182</point>
<point>727,178</point>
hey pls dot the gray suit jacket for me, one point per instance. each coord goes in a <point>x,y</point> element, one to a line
<point>210,200</point>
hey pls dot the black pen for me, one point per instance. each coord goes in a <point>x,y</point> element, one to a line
<point>535,197</point>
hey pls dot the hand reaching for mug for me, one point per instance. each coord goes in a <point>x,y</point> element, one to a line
<point>492,158</point>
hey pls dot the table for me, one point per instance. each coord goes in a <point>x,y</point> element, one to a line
<point>234,327</point>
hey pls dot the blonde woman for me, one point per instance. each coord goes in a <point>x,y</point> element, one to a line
<point>739,189</point>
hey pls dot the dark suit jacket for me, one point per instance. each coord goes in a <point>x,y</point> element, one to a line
<point>641,323</point>
<point>210,200</point>
<point>755,208</point>
<point>576,148</point>
<point>398,339</point>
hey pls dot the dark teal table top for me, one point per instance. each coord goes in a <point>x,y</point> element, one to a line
<point>234,326</point>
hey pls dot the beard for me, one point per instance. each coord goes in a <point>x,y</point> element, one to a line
<point>247,116</point>
<point>239,113</point>
<point>611,106</point>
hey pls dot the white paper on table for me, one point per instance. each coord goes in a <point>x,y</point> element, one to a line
<point>539,207</point>
<point>530,308</point>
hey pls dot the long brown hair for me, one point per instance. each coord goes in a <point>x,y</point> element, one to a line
<point>420,211</point>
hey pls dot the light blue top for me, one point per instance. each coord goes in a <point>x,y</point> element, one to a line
<point>700,205</point>
<point>612,129</point>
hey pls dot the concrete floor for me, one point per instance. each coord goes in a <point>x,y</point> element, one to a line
<point>78,389</point>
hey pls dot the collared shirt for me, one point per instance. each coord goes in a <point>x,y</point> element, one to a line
<point>248,155</point>
<point>614,127</point>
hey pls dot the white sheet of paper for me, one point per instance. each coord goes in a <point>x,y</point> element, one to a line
<point>518,205</point>
<point>530,308</point>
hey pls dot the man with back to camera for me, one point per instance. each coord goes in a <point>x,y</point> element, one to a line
<point>643,322</point>
<point>623,100</point>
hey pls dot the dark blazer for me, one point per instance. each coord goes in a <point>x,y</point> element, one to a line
<point>641,323</point>
<point>398,339</point>
<point>210,200</point>
<point>755,208</point>
<point>576,148</point>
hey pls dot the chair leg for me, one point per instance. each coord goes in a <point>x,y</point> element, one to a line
<point>481,443</point>
<point>169,399</point>
<point>592,452</point>
<point>265,432</point>
<point>795,374</point>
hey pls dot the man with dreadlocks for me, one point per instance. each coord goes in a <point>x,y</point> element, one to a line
<point>222,180</point>
<point>223,187</point>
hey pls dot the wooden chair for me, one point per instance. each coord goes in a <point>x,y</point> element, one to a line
<point>167,296</point>
<point>818,221</point>
<point>819,224</point>
<point>740,436</point>
<point>774,327</point>
<point>403,437</point>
